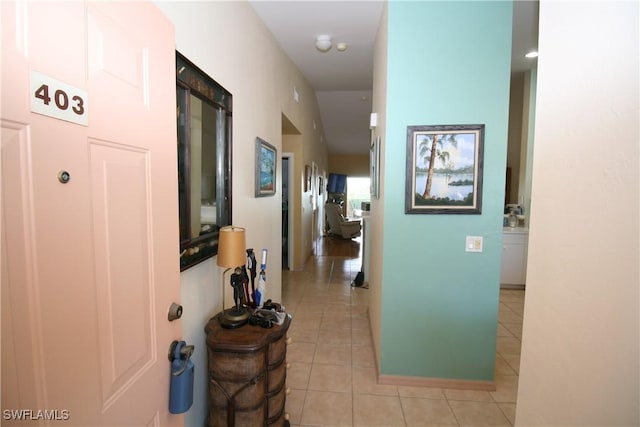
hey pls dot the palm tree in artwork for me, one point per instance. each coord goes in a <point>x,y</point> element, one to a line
<point>448,169</point>
<point>431,148</point>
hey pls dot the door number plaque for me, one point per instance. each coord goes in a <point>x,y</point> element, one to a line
<point>53,98</point>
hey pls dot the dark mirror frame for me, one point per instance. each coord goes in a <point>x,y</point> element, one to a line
<point>191,80</point>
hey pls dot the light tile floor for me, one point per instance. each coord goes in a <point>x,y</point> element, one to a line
<point>333,377</point>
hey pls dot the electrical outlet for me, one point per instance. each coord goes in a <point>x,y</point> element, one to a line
<point>473,244</point>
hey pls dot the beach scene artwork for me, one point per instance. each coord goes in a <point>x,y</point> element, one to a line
<point>444,173</point>
<point>265,168</point>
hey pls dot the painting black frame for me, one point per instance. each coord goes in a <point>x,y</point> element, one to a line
<point>417,138</point>
<point>192,80</point>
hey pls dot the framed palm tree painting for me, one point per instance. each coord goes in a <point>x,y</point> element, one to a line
<point>444,169</point>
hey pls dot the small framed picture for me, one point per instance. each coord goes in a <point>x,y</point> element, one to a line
<point>374,165</point>
<point>266,161</point>
<point>307,178</point>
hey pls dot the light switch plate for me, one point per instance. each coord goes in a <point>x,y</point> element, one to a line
<point>473,244</point>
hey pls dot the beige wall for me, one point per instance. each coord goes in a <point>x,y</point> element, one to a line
<point>527,141</point>
<point>230,43</point>
<point>521,111</point>
<point>349,164</point>
<point>300,203</point>
<point>377,213</point>
<point>262,84</point>
<point>580,358</point>
<point>515,133</point>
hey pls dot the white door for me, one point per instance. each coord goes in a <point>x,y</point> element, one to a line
<point>90,266</point>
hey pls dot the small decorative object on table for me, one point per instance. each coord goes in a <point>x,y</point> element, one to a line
<point>262,281</point>
<point>231,254</point>
<point>270,314</point>
<point>251,266</point>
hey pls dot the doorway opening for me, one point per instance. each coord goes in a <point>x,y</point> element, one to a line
<point>287,199</point>
<point>358,192</point>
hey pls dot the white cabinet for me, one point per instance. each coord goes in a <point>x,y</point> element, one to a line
<point>514,256</point>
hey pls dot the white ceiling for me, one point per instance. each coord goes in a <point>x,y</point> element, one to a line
<point>343,80</point>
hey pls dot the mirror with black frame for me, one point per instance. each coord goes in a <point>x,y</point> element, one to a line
<point>203,114</point>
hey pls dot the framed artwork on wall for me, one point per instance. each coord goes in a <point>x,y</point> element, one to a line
<point>374,165</point>
<point>314,189</point>
<point>307,178</point>
<point>266,161</point>
<point>444,169</point>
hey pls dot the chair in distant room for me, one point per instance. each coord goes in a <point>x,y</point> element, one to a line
<point>338,225</point>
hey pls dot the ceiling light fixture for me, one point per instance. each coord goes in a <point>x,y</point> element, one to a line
<point>323,43</point>
<point>341,47</point>
<point>532,54</point>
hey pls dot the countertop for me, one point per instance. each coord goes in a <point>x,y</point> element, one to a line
<point>521,230</point>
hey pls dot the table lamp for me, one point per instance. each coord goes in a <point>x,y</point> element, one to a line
<point>232,254</point>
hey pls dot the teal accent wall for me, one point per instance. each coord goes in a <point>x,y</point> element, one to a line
<point>448,63</point>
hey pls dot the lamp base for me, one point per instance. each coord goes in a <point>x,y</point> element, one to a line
<point>234,317</point>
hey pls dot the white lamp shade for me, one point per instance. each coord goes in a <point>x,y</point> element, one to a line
<point>231,247</point>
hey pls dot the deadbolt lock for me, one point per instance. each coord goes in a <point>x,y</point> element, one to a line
<point>175,312</point>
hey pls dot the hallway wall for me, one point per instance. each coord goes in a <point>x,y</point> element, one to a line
<point>580,345</point>
<point>230,43</point>
<point>349,164</point>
